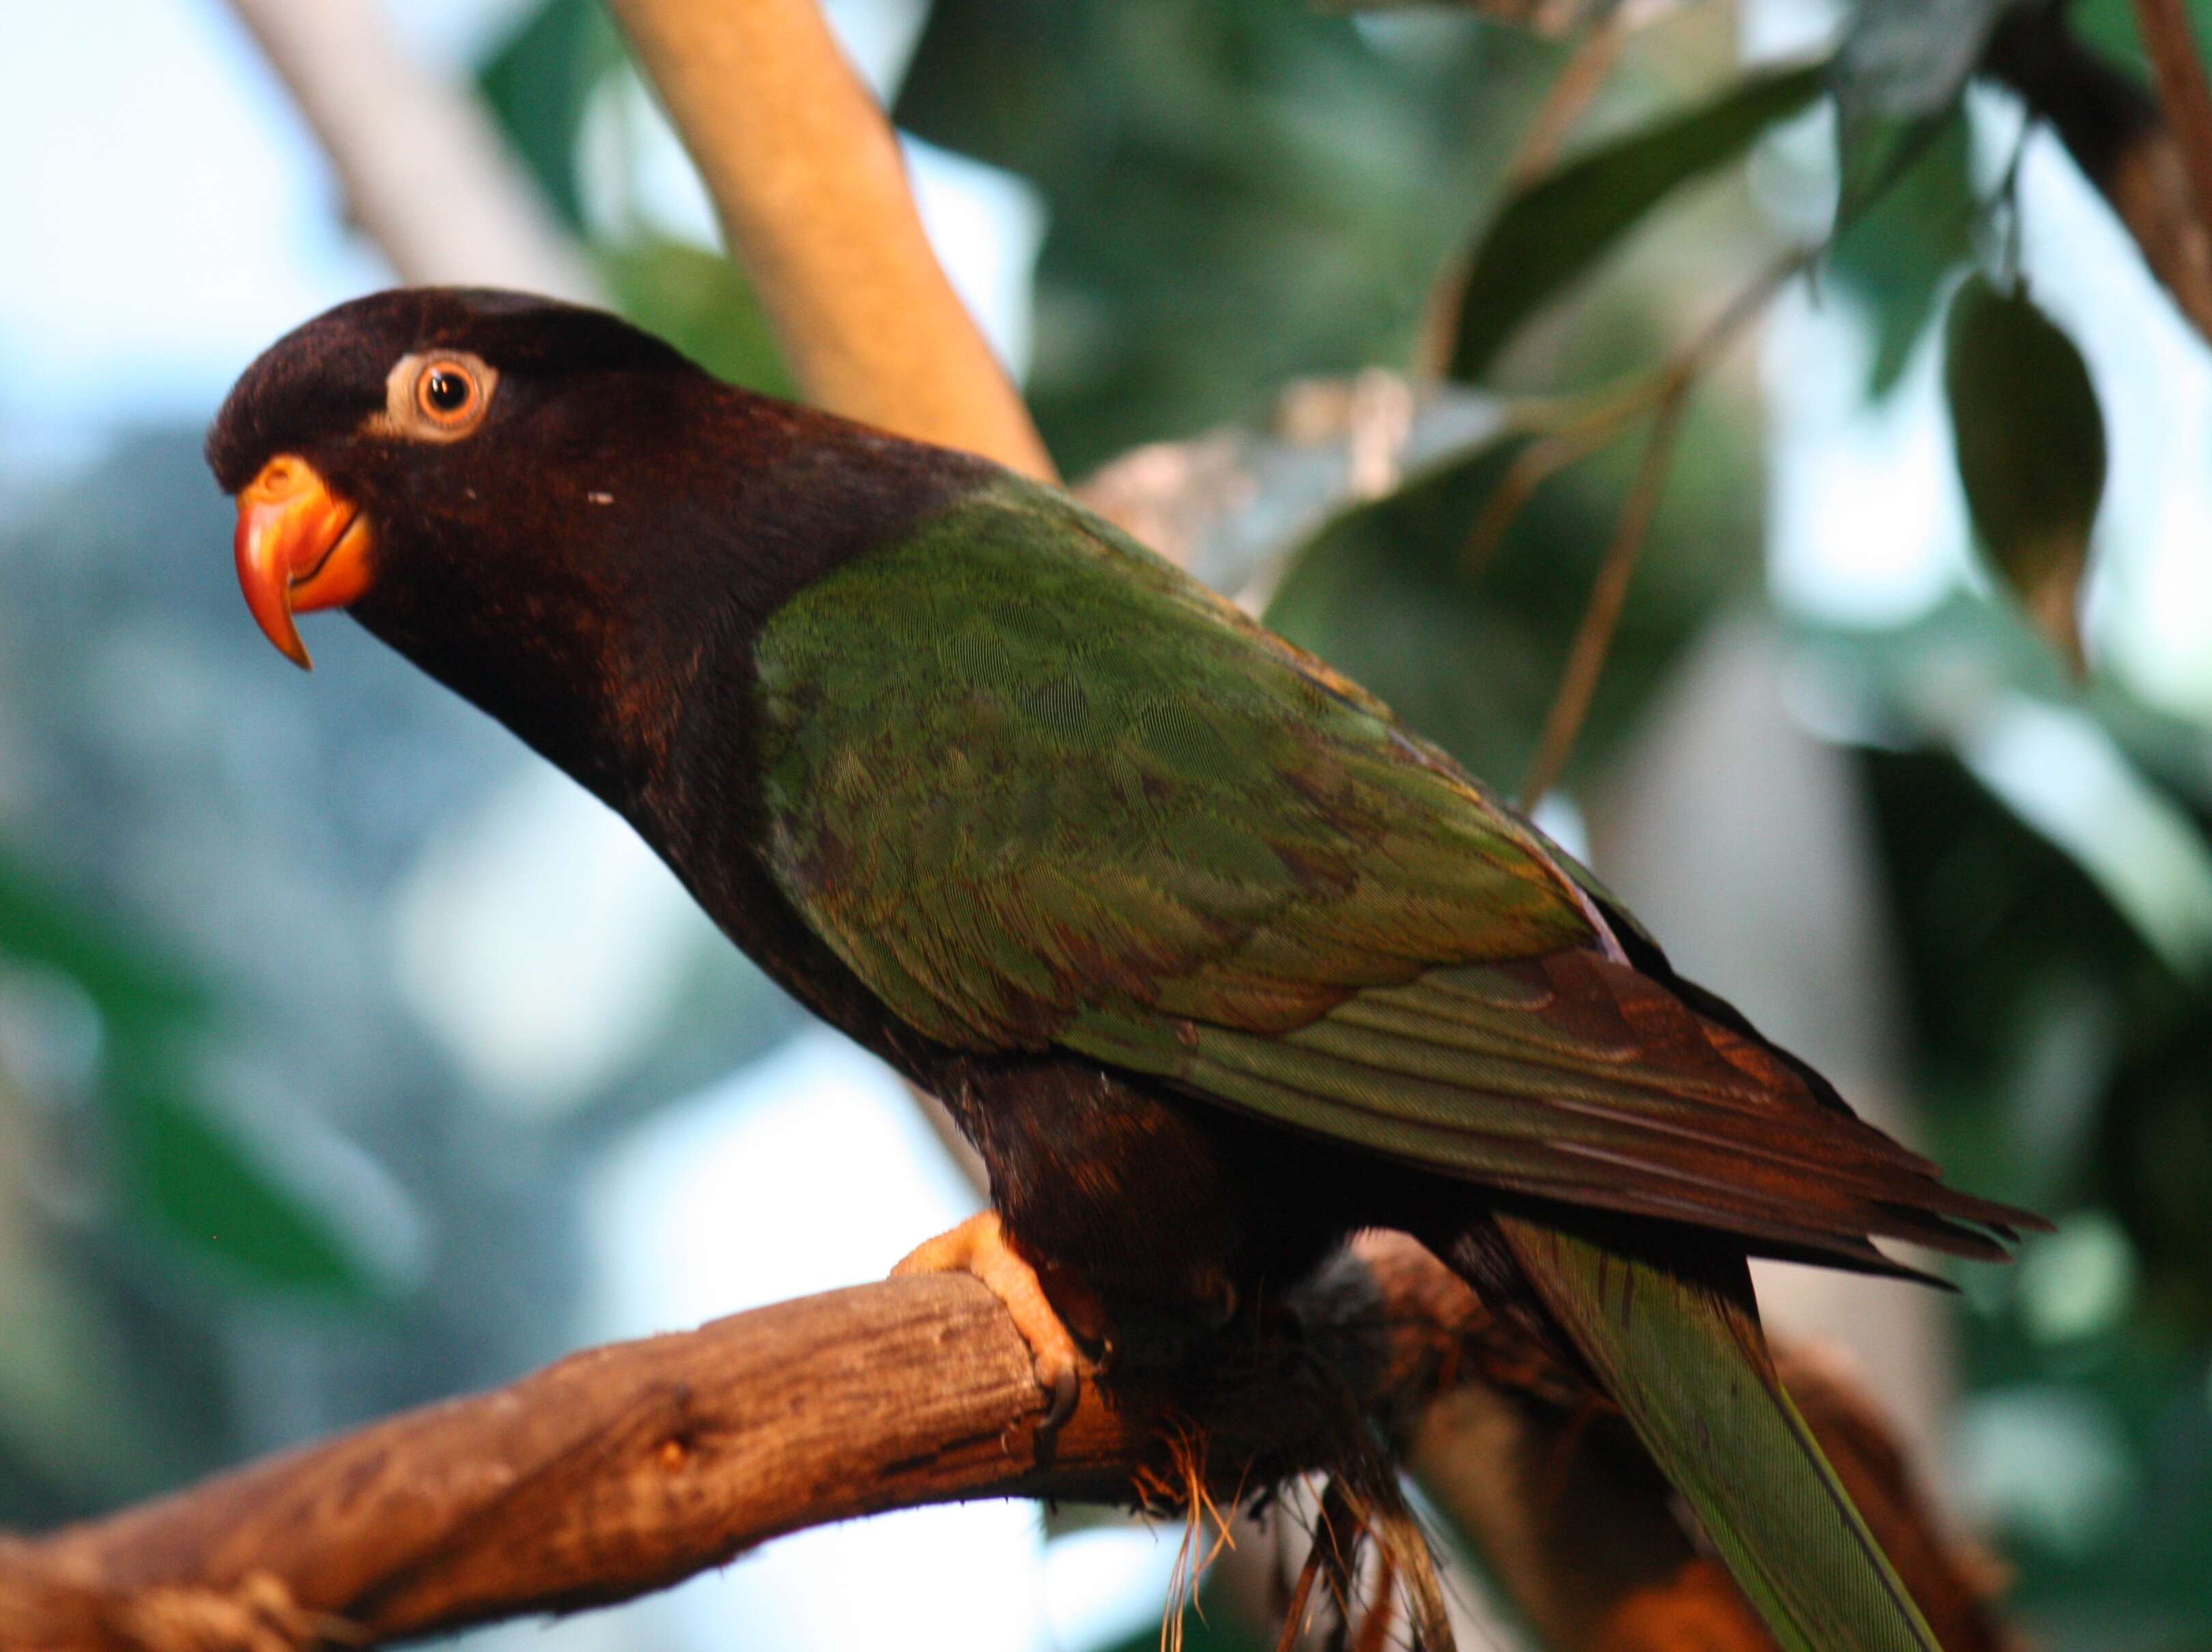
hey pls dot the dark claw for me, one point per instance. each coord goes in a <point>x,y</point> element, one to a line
<point>1066,1391</point>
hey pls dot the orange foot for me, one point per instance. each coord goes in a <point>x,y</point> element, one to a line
<point>978,1246</point>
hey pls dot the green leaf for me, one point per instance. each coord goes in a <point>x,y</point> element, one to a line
<point>179,1169</point>
<point>2109,28</point>
<point>2030,438</point>
<point>1895,253</point>
<point>1273,182</point>
<point>1555,229</point>
<point>200,1182</point>
<point>539,84</point>
<point>700,302</point>
<point>128,983</point>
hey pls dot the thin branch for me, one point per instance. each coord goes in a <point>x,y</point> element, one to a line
<point>1601,617</point>
<point>2120,141</point>
<point>425,173</point>
<point>2181,93</point>
<point>806,175</point>
<point>1568,99</point>
<point>1589,425</point>
<point>1664,392</point>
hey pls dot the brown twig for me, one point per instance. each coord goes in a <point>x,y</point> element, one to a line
<point>1664,394</point>
<point>1532,467</point>
<point>1601,617</point>
<point>1585,427</point>
<point>1568,99</point>
<point>2181,92</point>
<point>2117,137</point>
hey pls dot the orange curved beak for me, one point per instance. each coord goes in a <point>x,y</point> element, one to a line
<point>300,548</point>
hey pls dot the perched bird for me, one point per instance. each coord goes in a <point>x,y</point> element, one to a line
<point>1212,959</point>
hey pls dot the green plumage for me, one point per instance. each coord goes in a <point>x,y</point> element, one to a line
<point>1114,794</point>
<point>1037,788</point>
<point>1682,1357</point>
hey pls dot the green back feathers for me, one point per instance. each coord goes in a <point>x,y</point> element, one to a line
<point>1018,768</point>
<point>1037,787</point>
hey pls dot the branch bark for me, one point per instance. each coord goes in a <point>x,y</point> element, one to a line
<point>2181,92</point>
<point>627,1468</point>
<point>806,175</point>
<point>425,174</point>
<point>622,1470</point>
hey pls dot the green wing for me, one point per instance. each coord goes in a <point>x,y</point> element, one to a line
<point>1037,787</point>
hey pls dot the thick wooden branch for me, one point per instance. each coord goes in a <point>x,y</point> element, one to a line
<point>628,1469</point>
<point>622,1470</point>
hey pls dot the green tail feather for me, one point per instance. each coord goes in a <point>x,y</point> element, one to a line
<point>1682,1355</point>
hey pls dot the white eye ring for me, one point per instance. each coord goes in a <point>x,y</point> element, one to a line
<point>436,396</point>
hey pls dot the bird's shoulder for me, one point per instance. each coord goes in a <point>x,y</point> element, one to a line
<point>1014,764</point>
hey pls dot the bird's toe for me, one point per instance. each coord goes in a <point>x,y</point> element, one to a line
<point>979,1247</point>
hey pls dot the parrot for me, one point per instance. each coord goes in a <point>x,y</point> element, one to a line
<point>1214,961</point>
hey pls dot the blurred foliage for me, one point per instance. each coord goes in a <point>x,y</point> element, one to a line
<point>543,84</point>
<point>540,84</point>
<point>1238,194</point>
<point>1909,231</point>
<point>1389,591</point>
<point>1273,185</point>
<point>1552,231</point>
<point>175,1162</point>
<point>2030,445</point>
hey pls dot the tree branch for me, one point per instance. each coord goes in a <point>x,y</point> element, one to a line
<point>2181,93</point>
<point>622,1470</point>
<point>425,174</point>
<point>806,173</point>
<point>2124,146</point>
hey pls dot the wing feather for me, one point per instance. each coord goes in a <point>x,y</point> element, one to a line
<point>1038,788</point>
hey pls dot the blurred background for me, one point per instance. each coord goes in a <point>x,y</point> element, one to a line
<point>350,1058</point>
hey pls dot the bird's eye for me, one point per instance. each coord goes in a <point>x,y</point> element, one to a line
<point>438,396</point>
<point>447,393</point>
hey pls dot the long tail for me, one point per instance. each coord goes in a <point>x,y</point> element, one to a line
<point>1679,1351</point>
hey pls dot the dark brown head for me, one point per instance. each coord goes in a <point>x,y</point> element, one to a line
<point>410,419</point>
<point>549,511</point>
